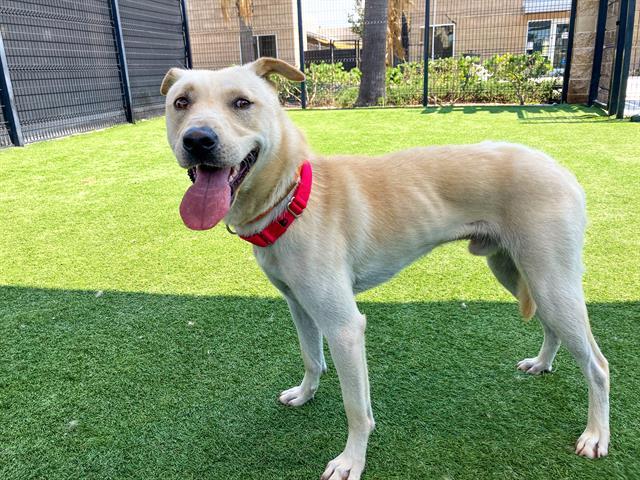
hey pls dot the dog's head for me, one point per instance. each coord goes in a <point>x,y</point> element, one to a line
<point>222,123</point>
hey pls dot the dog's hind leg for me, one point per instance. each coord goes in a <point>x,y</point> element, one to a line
<point>544,360</point>
<point>556,285</point>
<point>310,339</point>
<point>505,270</point>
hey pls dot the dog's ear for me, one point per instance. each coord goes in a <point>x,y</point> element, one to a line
<point>172,76</point>
<point>265,66</point>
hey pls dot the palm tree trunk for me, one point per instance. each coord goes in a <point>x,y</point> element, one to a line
<point>247,53</point>
<point>374,39</point>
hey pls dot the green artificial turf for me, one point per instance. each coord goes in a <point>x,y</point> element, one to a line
<point>131,347</point>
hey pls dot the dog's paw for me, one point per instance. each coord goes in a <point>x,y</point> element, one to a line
<point>296,396</point>
<point>593,444</point>
<point>343,467</point>
<point>533,366</point>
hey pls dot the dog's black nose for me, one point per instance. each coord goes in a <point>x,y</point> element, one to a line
<point>199,140</point>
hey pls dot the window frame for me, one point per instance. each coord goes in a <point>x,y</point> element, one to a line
<point>453,48</point>
<point>553,32</point>
<point>545,6</point>
<point>257,38</point>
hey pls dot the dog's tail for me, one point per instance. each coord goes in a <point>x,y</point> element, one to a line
<point>505,269</point>
<point>527,304</point>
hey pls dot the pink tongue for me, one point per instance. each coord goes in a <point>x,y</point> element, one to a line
<point>207,201</point>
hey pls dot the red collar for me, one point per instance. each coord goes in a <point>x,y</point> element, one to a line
<point>270,234</point>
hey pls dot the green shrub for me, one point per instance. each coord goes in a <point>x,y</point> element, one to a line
<point>288,91</point>
<point>547,91</point>
<point>455,79</point>
<point>324,83</point>
<point>404,84</point>
<point>509,78</point>
<point>347,97</point>
<point>326,80</point>
<point>520,71</point>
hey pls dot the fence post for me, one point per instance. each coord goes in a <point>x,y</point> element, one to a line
<point>8,100</point>
<point>614,93</point>
<point>185,33</point>
<point>425,56</point>
<point>626,60</point>
<point>122,59</point>
<point>597,54</point>
<point>567,66</point>
<point>303,85</point>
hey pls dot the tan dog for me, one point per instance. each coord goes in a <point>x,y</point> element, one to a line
<point>365,222</point>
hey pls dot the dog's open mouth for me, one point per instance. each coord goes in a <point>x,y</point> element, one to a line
<point>238,174</point>
<point>208,200</point>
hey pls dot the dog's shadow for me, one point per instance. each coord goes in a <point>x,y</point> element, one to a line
<point>167,386</point>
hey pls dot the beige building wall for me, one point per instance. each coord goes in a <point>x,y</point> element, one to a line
<point>215,41</point>
<point>478,31</point>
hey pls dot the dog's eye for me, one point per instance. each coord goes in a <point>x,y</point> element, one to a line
<point>181,103</point>
<point>241,103</point>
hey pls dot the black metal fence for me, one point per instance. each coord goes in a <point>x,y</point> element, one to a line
<point>497,51</point>
<point>348,57</point>
<point>70,66</point>
<point>605,54</point>
<point>154,37</point>
<point>5,131</point>
<point>77,66</point>
<point>5,141</point>
<point>615,82</point>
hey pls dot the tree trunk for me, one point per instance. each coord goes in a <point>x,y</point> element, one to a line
<point>247,53</point>
<point>374,39</point>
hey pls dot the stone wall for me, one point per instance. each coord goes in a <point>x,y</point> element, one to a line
<point>583,50</point>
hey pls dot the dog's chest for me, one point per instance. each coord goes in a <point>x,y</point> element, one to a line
<point>270,263</point>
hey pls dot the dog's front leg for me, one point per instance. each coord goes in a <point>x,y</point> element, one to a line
<point>336,313</point>
<point>312,355</point>
<point>348,352</point>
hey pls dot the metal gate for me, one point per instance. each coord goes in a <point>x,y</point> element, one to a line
<point>609,16</point>
<point>632,93</point>
<point>613,78</point>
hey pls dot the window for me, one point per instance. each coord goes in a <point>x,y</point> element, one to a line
<point>538,36</point>
<point>265,46</point>
<point>551,39</point>
<point>537,6</point>
<point>253,47</point>
<point>561,45</point>
<point>441,40</point>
